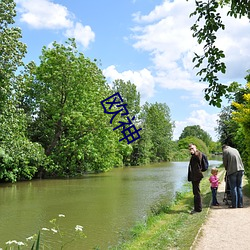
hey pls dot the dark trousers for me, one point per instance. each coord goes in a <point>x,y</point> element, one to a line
<point>214,196</point>
<point>197,196</point>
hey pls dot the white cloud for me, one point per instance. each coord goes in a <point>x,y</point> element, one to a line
<point>83,34</point>
<point>143,80</point>
<point>165,33</point>
<point>44,14</point>
<point>234,41</point>
<point>198,117</point>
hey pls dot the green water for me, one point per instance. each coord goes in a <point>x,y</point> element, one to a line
<point>104,204</point>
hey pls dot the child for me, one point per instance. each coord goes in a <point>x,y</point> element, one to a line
<point>214,185</point>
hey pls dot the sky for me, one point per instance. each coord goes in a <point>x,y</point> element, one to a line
<point>147,42</point>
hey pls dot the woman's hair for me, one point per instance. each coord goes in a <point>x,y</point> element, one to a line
<point>214,170</point>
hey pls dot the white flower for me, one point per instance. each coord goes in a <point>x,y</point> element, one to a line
<point>61,215</point>
<point>45,229</point>
<point>78,228</point>
<point>29,238</point>
<point>54,230</point>
<point>10,242</point>
<point>20,243</point>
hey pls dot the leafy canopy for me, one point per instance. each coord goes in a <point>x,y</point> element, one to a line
<point>205,28</point>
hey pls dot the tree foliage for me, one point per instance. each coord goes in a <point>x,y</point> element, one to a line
<point>201,146</point>
<point>129,94</point>
<point>67,118</point>
<point>242,117</point>
<point>196,131</point>
<point>233,123</point>
<point>158,129</point>
<point>205,28</point>
<point>51,119</point>
<point>227,128</point>
<point>131,97</point>
<point>20,158</point>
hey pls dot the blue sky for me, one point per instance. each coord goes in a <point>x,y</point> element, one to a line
<point>148,42</point>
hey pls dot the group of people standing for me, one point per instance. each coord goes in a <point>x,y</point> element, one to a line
<point>234,167</point>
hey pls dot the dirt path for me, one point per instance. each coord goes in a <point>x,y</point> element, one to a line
<point>225,228</point>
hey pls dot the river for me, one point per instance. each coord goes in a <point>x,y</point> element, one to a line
<point>105,204</point>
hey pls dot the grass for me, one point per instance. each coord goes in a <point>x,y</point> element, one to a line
<point>170,226</point>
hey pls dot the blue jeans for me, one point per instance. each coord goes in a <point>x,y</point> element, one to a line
<point>235,182</point>
<point>214,196</point>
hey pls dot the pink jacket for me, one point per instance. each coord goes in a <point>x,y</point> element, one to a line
<point>214,181</point>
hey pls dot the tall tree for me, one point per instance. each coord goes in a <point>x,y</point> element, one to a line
<point>12,51</point>
<point>156,122</point>
<point>67,117</point>
<point>227,127</point>
<point>129,94</point>
<point>19,158</point>
<point>241,115</point>
<point>207,24</point>
<point>131,97</point>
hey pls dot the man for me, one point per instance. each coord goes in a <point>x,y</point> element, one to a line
<point>235,169</point>
<point>195,175</point>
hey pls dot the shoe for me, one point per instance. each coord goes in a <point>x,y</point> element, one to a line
<point>231,207</point>
<point>217,204</point>
<point>194,212</point>
<point>241,206</point>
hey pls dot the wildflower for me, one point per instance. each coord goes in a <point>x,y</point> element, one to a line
<point>10,242</point>
<point>45,229</point>
<point>20,243</point>
<point>78,228</point>
<point>54,230</point>
<point>61,215</point>
<point>29,238</point>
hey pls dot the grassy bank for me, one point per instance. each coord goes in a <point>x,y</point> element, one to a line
<point>170,227</point>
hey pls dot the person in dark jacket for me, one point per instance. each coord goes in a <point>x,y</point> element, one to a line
<point>195,175</point>
<point>235,169</point>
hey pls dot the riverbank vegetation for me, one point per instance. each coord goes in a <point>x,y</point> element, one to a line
<point>52,122</point>
<point>170,226</point>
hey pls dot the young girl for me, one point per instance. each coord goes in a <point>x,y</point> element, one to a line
<point>214,185</point>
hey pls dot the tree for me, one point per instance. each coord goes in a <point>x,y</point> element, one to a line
<point>229,130</point>
<point>242,117</point>
<point>12,50</point>
<point>184,142</point>
<point>227,127</point>
<point>20,158</point>
<point>208,23</point>
<point>129,94</point>
<point>158,128</point>
<point>67,118</point>
<point>196,131</point>
<point>131,97</point>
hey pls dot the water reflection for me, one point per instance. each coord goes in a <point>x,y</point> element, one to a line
<point>105,204</point>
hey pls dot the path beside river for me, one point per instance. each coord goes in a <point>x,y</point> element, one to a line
<point>225,228</point>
